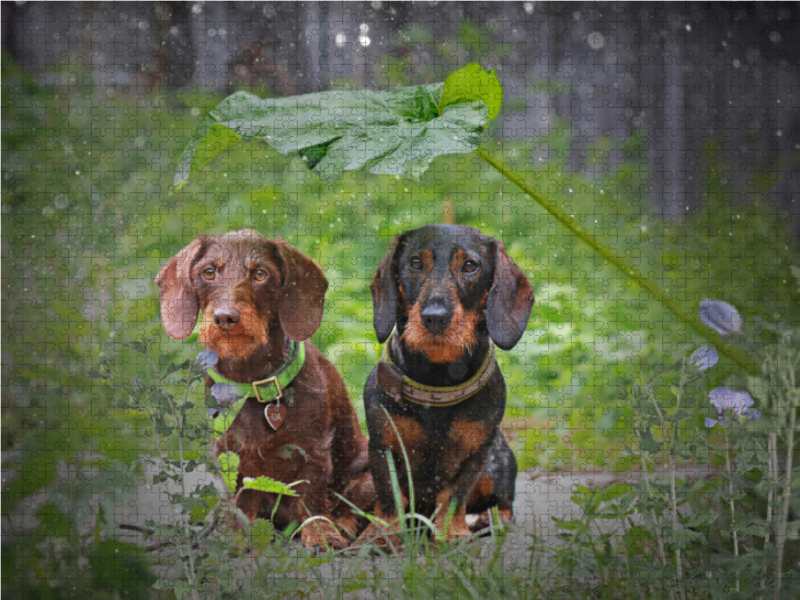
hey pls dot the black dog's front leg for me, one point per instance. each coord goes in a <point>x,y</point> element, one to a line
<point>461,483</point>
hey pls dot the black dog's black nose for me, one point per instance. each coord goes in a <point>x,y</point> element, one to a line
<point>226,318</point>
<point>436,318</point>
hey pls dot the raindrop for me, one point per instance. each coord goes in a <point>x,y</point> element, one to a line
<point>341,40</point>
<point>596,40</point>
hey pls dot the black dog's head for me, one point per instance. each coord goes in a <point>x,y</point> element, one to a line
<point>246,286</point>
<point>442,284</point>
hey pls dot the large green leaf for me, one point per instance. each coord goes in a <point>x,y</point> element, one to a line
<point>390,132</point>
<point>472,83</point>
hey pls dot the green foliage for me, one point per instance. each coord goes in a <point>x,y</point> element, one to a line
<point>471,83</point>
<point>229,466</point>
<point>266,484</point>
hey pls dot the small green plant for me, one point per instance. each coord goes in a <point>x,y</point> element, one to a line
<point>206,533</point>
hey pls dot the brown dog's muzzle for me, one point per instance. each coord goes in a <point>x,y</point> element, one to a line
<point>226,318</point>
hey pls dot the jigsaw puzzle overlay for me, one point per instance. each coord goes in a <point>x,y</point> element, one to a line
<point>322,300</point>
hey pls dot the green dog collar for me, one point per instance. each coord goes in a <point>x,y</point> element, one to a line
<point>271,388</point>
<point>265,390</point>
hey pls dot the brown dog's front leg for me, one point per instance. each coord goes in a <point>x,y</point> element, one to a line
<point>312,501</point>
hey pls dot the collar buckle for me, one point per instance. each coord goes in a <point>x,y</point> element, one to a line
<point>266,381</point>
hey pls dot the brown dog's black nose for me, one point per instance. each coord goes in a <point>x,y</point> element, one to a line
<point>226,318</point>
<point>435,317</point>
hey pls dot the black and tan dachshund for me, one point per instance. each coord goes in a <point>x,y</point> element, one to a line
<point>446,295</point>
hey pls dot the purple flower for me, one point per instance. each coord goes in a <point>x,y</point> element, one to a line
<point>704,358</point>
<point>137,382</point>
<point>738,403</point>
<point>225,393</point>
<point>720,316</point>
<point>751,414</point>
<point>207,359</point>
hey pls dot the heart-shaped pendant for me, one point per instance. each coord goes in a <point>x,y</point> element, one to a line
<point>275,414</point>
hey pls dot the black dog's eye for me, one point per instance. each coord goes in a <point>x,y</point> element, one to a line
<point>260,275</point>
<point>416,263</point>
<point>470,266</point>
<point>209,274</point>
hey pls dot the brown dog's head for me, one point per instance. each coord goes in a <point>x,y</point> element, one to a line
<point>441,284</point>
<point>246,287</point>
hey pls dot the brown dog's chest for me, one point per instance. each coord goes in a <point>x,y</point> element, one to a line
<point>261,449</point>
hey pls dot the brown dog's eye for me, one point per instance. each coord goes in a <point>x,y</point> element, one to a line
<point>260,275</point>
<point>415,263</point>
<point>470,266</point>
<point>209,274</point>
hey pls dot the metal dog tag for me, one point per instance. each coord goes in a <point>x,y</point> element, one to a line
<point>275,414</point>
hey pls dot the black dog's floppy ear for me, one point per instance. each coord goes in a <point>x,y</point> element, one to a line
<point>510,300</point>
<point>302,300</point>
<point>179,304</point>
<point>384,293</point>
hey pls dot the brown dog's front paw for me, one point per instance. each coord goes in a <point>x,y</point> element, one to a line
<point>321,534</point>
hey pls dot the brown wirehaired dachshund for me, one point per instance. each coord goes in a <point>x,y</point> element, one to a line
<point>258,300</point>
<point>449,293</point>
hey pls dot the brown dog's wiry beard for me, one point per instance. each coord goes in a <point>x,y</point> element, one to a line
<point>460,337</point>
<point>240,343</point>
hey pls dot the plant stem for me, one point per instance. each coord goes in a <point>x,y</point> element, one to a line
<point>674,498</point>
<point>772,445</point>
<point>645,473</point>
<point>191,575</point>
<point>780,535</point>
<point>732,505</point>
<point>607,254</point>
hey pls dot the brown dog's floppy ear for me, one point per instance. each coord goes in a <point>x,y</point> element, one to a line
<point>384,294</point>
<point>179,304</point>
<point>510,300</point>
<point>302,299</point>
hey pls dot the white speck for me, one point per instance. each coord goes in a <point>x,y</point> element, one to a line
<point>779,133</point>
<point>595,40</point>
<point>363,28</point>
<point>528,8</point>
<point>364,40</point>
<point>77,172</point>
<point>570,190</point>
<point>737,63</point>
<point>341,40</point>
<point>688,27</point>
<point>774,37</point>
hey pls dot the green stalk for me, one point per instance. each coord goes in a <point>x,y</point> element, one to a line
<point>732,505</point>
<point>630,273</point>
